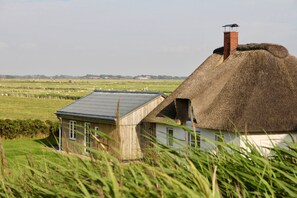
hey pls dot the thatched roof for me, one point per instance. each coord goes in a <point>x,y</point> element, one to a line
<point>254,89</point>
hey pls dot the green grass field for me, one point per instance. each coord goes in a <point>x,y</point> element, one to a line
<point>40,99</point>
<point>76,87</point>
<point>30,108</point>
<point>19,152</point>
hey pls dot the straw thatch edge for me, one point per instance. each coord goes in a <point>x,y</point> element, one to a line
<point>276,50</point>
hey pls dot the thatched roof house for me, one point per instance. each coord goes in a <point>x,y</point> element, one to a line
<point>247,89</point>
<point>254,89</point>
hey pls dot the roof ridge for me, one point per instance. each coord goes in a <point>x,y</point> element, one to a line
<point>275,49</point>
<point>127,91</point>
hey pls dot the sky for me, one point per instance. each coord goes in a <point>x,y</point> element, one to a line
<point>132,37</point>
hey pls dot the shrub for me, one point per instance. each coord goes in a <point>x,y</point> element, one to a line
<point>10,129</point>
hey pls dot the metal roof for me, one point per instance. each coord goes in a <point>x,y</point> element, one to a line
<point>103,104</point>
<point>231,25</point>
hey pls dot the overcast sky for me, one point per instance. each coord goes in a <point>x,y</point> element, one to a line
<point>132,37</point>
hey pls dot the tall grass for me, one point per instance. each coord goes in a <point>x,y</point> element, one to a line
<point>232,172</point>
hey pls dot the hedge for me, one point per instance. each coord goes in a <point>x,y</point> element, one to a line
<point>10,129</point>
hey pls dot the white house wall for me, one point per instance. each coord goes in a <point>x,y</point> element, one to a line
<point>179,135</point>
<point>207,137</point>
<point>265,140</point>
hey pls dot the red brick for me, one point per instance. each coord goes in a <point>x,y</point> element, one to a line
<point>230,43</point>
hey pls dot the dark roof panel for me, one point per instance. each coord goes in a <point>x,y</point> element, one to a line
<point>103,104</point>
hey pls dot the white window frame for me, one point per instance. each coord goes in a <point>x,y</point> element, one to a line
<point>72,130</point>
<point>219,138</point>
<point>197,140</point>
<point>169,136</point>
<point>87,134</point>
<point>96,129</point>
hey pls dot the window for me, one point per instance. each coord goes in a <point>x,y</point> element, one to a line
<point>96,131</point>
<point>101,139</point>
<point>219,138</point>
<point>170,136</point>
<point>72,130</point>
<point>87,136</point>
<point>194,139</point>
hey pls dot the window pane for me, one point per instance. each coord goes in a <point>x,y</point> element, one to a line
<point>219,139</point>
<point>72,130</point>
<point>169,136</point>
<point>194,139</point>
<point>96,130</point>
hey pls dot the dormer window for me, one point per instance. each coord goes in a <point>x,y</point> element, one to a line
<point>183,109</point>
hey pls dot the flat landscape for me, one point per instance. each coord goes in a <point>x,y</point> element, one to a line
<point>40,99</point>
<point>31,167</point>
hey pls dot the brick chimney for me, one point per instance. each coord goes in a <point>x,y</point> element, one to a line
<point>230,39</point>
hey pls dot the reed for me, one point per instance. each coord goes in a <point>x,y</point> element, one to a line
<point>192,172</point>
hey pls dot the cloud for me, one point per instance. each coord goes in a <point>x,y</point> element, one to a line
<point>30,1</point>
<point>28,46</point>
<point>175,49</point>
<point>3,45</point>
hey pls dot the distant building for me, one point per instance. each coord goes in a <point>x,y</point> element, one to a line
<point>240,92</point>
<point>142,77</point>
<point>98,112</point>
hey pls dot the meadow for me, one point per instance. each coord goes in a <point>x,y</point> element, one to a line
<point>40,99</point>
<point>18,151</point>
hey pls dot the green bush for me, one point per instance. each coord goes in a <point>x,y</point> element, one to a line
<point>10,129</point>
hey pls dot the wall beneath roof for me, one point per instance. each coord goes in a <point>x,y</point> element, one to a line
<point>77,146</point>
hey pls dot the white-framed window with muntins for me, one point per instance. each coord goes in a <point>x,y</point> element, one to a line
<point>72,130</point>
<point>87,136</point>
<point>169,136</point>
<point>194,139</point>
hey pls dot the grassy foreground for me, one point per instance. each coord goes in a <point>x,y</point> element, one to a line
<point>17,153</point>
<point>232,172</point>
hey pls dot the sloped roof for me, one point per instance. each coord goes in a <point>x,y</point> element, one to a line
<point>103,104</point>
<point>254,89</point>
